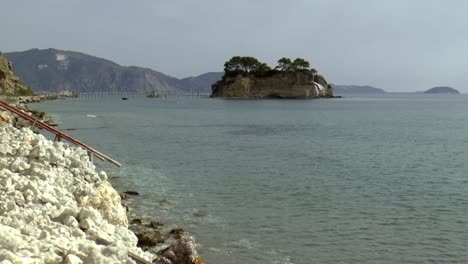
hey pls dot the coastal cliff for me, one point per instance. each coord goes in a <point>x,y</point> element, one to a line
<point>9,82</point>
<point>279,85</point>
<point>246,78</point>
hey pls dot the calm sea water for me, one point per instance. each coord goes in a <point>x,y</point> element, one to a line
<point>354,180</point>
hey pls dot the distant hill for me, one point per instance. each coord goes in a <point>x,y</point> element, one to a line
<point>442,90</point>
<point>356,89</point>
<point>58,70</point>
<point>201,83</point>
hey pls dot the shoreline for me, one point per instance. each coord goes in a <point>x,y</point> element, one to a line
<point>98,217</point>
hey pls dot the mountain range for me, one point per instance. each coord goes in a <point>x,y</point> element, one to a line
<point>53,70</point>
<point>356,89</point>
<point>58,70</point>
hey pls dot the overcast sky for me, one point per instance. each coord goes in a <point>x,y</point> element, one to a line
<point>397,45</point>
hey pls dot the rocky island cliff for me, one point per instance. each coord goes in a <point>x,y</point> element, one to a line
<point>247,78</point>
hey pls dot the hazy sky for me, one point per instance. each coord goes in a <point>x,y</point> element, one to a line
<point>397,45</point>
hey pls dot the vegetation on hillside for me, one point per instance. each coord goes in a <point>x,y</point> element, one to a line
<point>10,85</point>
<point>245,65</point>
<point>22,90</point>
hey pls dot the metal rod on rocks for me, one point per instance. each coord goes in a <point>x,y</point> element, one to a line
<point>138,259</point>
<point>58,134</point>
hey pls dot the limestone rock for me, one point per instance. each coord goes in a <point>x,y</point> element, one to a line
<point>299,85</point>
<point>55,207</point>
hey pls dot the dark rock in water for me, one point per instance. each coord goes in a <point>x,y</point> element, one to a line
<point>157,224</point>
<point>136,221</point>
<point>147,239</point>
<point>131,193</point>
<point>123,196</point>
<point>173,247</point>
<point>147,236</point>
<point>183,251</point>
<point>164,203</point>
<point>200,213</point>
<point>177,232</point>
<point>124,201</point>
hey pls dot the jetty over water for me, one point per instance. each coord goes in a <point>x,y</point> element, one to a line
<point>58,134</point>
<point>135,95</point>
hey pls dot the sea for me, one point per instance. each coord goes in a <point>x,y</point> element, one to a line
<point>360,179</point>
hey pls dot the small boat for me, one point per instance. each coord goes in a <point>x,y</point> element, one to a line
<point>153,95</point>
<point>124,98</point>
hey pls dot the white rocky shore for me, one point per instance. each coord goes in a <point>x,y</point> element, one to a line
<point>55,207</point>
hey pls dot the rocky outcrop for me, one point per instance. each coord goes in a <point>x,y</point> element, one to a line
<point>281,84</point>
<point>9,82</point>
<point>170,245</point>
<point>55,207</point>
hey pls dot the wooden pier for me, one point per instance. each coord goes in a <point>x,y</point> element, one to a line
<point>134,95</point>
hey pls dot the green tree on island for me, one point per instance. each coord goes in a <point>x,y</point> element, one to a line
<point>300,64</point>
<point>284,64</point>
<point>250,65</point>
<point>263,69</point>
<point>242,64</point>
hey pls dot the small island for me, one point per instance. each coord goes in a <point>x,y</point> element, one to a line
<point>248,78</point>
<point>442,90</point>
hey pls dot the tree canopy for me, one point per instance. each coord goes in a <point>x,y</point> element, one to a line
<point>246,64</point>
<point>301,64</point>
<point>284,64</point>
